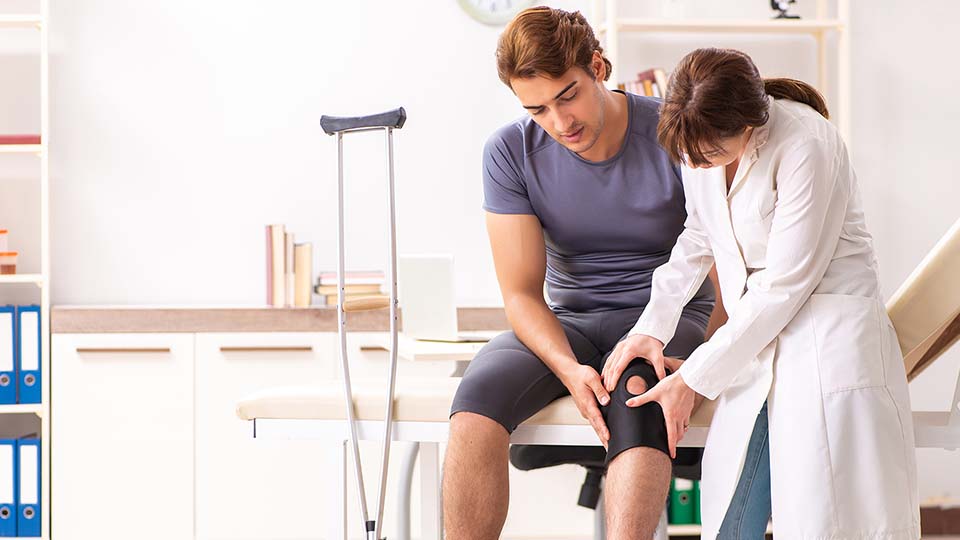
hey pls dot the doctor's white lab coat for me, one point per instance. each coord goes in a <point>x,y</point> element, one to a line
<point>807,331</point>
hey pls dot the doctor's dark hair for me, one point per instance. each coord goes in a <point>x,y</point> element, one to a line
<point>543,41</point>
<point>717,93</point>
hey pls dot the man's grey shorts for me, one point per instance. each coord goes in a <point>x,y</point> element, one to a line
<point>508,383</point>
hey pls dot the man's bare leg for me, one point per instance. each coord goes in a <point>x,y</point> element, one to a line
<point>636,487</point>
<point>476,487</point>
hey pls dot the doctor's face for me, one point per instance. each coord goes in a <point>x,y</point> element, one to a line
<point>727,150</point>
<point>570,108</point>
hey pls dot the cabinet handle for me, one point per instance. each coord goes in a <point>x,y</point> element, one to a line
<point>266,349</point>
<point>88,350</point>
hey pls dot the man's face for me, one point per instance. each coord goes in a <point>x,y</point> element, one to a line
<point>570,108</point>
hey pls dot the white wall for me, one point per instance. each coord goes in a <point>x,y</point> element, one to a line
<point>181,128</point>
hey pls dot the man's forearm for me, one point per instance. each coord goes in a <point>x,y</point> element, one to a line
<point>538,328</point>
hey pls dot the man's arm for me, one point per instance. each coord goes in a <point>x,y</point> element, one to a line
<point>519,255</point>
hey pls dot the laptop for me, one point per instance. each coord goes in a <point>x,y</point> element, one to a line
<point>426,294</point>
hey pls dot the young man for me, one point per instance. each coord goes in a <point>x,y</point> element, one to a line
<point>578,194</point>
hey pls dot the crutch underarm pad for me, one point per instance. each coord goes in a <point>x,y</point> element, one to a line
<point>390,119</point>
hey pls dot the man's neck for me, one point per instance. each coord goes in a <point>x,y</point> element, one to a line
<point>614,129</point>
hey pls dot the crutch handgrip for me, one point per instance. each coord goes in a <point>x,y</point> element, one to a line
<point>366,303</point>
<point>390,119</point>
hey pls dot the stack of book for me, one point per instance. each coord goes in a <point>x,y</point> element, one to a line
<point>289,269</point>
<point>652,82</point>
<point>356,284</point>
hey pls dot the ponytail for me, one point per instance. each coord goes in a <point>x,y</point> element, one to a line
<point>798,91</point>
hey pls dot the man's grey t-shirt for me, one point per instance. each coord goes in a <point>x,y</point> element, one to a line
<point>607,225</point>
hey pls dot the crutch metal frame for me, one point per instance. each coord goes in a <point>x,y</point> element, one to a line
<point>386,122</point>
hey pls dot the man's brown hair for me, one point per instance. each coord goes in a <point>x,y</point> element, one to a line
<point>543,41</point>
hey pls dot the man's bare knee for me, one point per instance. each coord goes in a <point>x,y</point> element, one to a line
<point>477,425</point>
<point>636,385</point>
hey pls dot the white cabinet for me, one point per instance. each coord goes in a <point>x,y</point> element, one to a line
<point>254,489</point>
<point>123,426</point>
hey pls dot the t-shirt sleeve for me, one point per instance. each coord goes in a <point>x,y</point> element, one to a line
<point>504,191</point>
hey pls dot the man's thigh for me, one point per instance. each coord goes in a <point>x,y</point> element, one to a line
<point>506,382</point>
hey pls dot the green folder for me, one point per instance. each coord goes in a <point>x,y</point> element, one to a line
<point>696,502</point>
<point>682,505</point>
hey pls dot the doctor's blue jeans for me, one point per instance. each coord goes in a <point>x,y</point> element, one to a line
<point>749,511</point>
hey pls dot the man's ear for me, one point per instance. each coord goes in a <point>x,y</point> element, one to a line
<point>599,67</point>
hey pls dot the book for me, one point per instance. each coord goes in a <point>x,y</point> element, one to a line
<point>288,271</point>
<point>660,76</point>
<point>303,273</point>
<point>647,87</point>
<point>277,266</point>
<point>269,271</point>
<point>19,139</point>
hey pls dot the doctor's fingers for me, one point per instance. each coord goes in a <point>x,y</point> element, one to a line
<point>657,361</point>
<point>675,431</point>
<point>605,370</point>
<point>649,396</point>
<point>672,363</point>
<point>609,367</point>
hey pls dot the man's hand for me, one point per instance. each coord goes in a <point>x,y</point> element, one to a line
<point>677,401</point>
<point>585,387</point>
<point>636,346</point>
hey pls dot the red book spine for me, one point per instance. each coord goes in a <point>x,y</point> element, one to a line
<point>19,139</point>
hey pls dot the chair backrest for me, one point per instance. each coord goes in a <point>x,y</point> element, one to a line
<point>925,310</point>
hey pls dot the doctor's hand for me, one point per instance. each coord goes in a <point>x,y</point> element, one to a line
<point>677,400</point>
<point>585,386</point>
<point>636,346</point>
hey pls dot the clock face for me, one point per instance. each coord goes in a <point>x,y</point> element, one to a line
<point>494,11</point>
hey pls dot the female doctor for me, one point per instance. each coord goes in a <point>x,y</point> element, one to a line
<point>808,352</point>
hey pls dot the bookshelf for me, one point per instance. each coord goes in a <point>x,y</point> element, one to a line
<point>611,27</point>
<point>40,280</point>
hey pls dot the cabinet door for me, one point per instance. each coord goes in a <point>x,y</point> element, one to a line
<point>122,425</point>
<point>253,488</point>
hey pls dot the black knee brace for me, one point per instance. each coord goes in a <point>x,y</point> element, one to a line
<point>631,427</point>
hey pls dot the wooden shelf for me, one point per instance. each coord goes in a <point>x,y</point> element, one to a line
<point>20,21</point>
<point>21,149</point>
<point>36,279</point>
<point>30,408</point>
<point>773,26</point>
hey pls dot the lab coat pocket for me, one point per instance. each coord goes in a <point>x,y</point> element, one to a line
<point>766,205</point>
<point>753,234</point>
<point>849,342</point>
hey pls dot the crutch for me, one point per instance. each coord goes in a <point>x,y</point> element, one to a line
<point>338,126</point>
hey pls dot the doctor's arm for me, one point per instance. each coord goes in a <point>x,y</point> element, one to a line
<point>804,234</point>
<point>674,285</point>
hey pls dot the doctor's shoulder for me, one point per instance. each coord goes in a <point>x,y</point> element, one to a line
<point>798,125</point>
